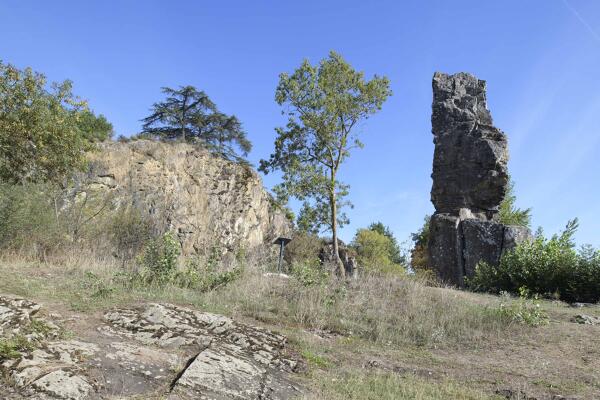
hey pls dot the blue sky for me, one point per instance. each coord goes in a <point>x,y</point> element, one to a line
<point>541,59</point>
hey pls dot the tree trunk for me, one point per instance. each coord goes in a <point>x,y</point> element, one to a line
<point>336,251</point>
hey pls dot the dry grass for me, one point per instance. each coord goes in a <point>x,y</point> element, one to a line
<point>382,337</point>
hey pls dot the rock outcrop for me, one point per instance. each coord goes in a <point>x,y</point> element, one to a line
<point>470,179</point>
<point>150,351</point>
<point>204,199</point>
<point>348,257</point>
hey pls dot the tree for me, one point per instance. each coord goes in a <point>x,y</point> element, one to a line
<point>374,251</point>
<point>95,128</point>
<point>324,104</point>
<point>189,114</point>
<point>394,250</point>
<point>419,259</point>
<point>509,214</point>
<point>40,135</point>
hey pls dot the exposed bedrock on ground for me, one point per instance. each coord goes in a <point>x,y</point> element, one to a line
<point>470,180</point>
<point>148,351</point>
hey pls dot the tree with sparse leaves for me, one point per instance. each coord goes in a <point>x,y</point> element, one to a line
<point>188,114</point>
<point>40,128</point>
<point>324,104</point>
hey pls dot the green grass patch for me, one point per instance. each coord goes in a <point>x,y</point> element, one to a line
<point>388,386</point>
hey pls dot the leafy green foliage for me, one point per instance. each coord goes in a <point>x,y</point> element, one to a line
<point>509,213</point>
<point>419,259</point>
<point>159,259</point>
<point>40,127</point>
<point>395,253</point>
<point>375,251</point>
<point>12,347</point>
<point>526,310</point>
<point>304,247</point>
<point>323,104</point>
<point>29,219</point>
<point>205,275</point>
<point>94,128</point>
<point>309,273</point>
<point>547,267</point>
<point>188,114</point>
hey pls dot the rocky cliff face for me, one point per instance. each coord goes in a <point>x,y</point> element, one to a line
<point>470,179</point>
<point>204,199</point>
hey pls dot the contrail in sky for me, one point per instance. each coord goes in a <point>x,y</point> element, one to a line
<point>583,21</point>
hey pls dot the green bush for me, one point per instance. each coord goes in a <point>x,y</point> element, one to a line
<point>304,247</point>
<point>546,267</point>
<point>29,218</point>
<point>526,310</point>
<point>12,347</point>
<point>309,273</point>
<point>205,276</point>
<point>375,252</point>
<point>159,259</point>
<point>129,232</point>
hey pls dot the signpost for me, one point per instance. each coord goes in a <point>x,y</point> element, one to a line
<point>281,241</point>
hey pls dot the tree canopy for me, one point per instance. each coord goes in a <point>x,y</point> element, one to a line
<point>509,213</point>
<point>40,127</point>
<point>375,251</point>
<point>95,128</point>
<point>394,251</point>
<point>188,114</point>
<point>324,104</point>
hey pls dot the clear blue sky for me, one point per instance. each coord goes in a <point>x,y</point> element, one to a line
<point>541,59</point>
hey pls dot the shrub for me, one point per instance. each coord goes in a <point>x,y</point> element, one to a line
<point>309,273</point>
<point>419,259</point>
<point>374,251</point>
<point>304,247</point>
<point>29,218</point>
<point>550,268</point>
<point>159,259</point>
<point>525,310</point>
<point>204,276</point>
<point>43,219</point>
<point>129,232</point>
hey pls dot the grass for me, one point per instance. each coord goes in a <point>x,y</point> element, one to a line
<point>389,386</point>
<point>434,343</point>
<point>10,347</point>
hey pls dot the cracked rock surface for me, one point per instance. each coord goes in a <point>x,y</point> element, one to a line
<point>150,351</point>
<point>206,200</point>
<point>470,180</point>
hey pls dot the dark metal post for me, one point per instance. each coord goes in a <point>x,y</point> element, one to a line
<point>280,256</point>
<point>281,241</point>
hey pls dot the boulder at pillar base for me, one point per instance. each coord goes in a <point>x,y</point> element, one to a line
<point>445,247</point>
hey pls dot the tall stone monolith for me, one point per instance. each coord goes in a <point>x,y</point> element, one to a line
<point>470,180</point>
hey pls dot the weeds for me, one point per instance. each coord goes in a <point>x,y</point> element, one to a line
<point>526,310</point>
<point>13,347</point>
